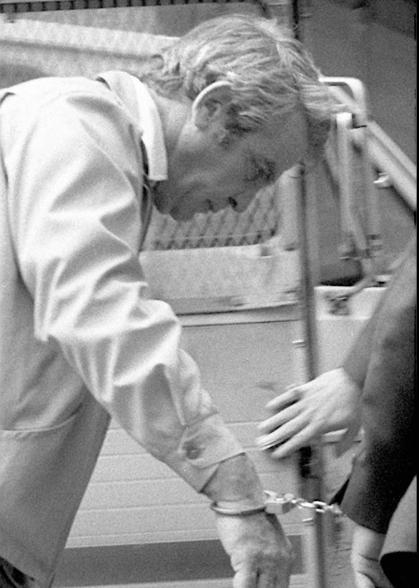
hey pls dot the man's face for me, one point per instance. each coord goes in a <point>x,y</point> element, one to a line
<point>209,170</point>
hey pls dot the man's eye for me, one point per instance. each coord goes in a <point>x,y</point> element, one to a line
<point>233,203</point>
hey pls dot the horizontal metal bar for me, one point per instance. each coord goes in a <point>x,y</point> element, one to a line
<point>10,7</point>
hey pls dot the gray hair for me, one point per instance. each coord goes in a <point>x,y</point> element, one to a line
<point>269,71</point>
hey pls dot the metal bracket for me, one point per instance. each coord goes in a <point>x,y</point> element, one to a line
<point>355,117</point>
<point>338,304</point>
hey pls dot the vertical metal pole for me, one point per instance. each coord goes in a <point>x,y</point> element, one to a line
<point>310,457</point>
<point>308,270</point>
<point>313,554</point>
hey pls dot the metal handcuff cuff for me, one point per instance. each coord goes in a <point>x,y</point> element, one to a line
<point>270,496</point>
<point>236,512</point>
<point>281,504</point>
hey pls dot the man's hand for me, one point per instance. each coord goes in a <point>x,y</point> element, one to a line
<point>366,548</point>
<point>260,553</point>
<point>328,403</point>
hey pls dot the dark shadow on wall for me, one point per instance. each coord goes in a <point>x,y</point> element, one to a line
<point>399,15</point>
<point>374,41</point>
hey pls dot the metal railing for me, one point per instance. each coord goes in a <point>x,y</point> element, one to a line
<point>20,6</point>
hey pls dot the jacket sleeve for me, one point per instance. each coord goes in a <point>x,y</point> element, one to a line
<point>385,465</point>
<point>75,199</point>
<point>357,361</point>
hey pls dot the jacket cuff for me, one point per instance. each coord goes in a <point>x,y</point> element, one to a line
<point>202,447</point>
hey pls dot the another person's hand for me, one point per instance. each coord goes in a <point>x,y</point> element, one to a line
<point>260,553</point>
<point>330,402</point>
<point>366,549</point>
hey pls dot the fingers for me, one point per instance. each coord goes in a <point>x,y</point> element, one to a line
<point>362,581</point>
<point>277,420</point>
<point>296,442</point>
<point>260,553</point>
<point>368,572</point>
<point>285,408</point>
<point>283,433</point>
<point>267,580</point>
<point>246,577</point>
<point>347,439</point>
<point>277,577</point>
<point>249,578</point>
<point>291,395</point>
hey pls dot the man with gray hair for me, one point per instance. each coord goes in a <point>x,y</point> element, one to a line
<point>222,113</point>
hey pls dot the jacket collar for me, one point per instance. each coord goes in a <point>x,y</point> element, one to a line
<point>137,98</point>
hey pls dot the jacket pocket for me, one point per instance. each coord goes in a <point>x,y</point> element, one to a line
<point>43,475</point>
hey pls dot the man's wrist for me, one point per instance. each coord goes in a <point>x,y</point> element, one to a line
<point>235,485</point>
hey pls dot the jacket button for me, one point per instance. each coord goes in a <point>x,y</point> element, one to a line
<point>192,451</point>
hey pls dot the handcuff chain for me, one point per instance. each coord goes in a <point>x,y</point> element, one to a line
<point>282,503</point>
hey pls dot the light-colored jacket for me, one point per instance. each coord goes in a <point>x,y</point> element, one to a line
<point>80,339</point>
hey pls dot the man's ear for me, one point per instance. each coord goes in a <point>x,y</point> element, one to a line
<point>211,105</point>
